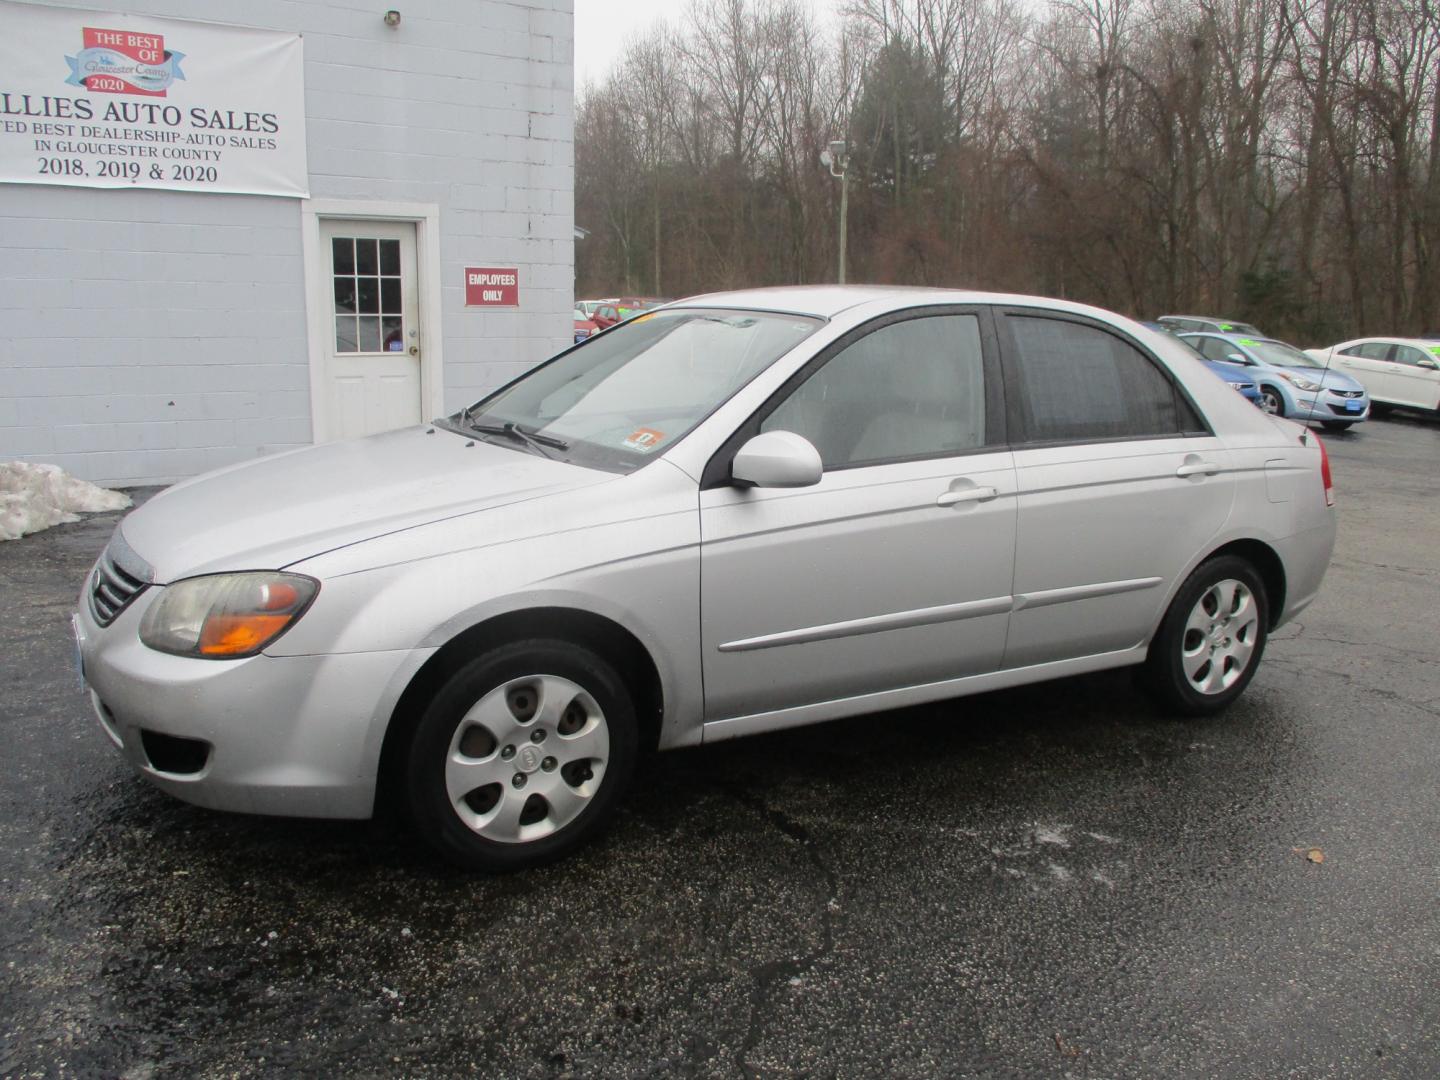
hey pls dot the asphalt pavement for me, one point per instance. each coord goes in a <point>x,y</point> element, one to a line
<point>1049,882</point>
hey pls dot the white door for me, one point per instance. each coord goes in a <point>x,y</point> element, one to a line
<point>372,355</point>
<point>893,570</point>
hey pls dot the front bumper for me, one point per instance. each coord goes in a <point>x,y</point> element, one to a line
<point>1326,406</point>
<point>295,735</point>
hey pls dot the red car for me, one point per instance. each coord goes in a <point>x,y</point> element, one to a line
<point>584,325</point>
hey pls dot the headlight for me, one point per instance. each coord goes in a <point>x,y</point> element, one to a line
<point>1299,381</point>
<point>226,616</point>
<point>1238,385</point>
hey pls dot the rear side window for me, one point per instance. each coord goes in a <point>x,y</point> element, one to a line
<point>1078,383</point>
<point>1376,350</point>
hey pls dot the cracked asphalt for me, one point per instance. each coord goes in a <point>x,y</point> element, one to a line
<point>1047,882</point>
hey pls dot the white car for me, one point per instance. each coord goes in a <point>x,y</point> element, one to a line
<point>1394,370</point>
<point>738,513</point>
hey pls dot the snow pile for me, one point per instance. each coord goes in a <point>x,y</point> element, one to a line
<point>34,497</point>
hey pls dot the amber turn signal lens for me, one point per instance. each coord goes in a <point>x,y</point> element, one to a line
<point>236,635</point>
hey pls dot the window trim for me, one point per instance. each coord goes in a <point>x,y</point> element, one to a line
<point>1019,423</point>
<point>717,469</point>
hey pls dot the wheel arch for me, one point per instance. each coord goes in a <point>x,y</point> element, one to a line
<point>602,635</point>
<point>1268,565</point>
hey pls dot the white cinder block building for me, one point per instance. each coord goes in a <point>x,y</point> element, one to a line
<point>231,229</point>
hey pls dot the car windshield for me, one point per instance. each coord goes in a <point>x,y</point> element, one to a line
<point>625,395</point>
<point>1240,328</point>
<point>1278,354</point>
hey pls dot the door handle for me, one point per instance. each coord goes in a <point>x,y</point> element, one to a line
<point>1198,468</point>
<point>966,495</point>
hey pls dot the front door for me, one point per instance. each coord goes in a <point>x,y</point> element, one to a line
<point>372,355</point>
<point>892,571</point>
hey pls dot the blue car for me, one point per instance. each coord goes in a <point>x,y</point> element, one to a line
<point>1234,374</point>
<point>1291,383</point>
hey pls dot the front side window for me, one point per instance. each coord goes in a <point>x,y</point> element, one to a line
<point>633,391</point>
<point>1411,356</point>
<point>908,390</point>
<point>1080,383</point>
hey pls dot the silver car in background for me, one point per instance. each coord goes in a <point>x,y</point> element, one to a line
<point>737,513</point>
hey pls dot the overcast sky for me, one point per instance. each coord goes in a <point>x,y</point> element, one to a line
<point>602,27</point>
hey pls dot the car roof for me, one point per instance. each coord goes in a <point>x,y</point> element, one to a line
<point>1204,318</point>
<point>1418,342</point>
<point>828,301</point>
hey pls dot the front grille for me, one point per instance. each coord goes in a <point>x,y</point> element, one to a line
<point>1347,393</point>
<point>118,578</point>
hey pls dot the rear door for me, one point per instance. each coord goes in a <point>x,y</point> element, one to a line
<point>1370,364</point>
<point>1120,485</point>
<point>894,570</point>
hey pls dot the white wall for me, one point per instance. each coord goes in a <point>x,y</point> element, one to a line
<point>147,336</point>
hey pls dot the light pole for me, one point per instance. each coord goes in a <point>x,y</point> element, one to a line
<point>833,157</point>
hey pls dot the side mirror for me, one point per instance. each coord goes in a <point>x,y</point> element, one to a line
<point>778,459</point>
<point>1431,364</point>
<point>1238,358</point>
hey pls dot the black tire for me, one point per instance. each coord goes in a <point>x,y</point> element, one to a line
<point>1336,425</point>
<point>1164,673</point>
<point>1272,401</point>
<point>604,701</point>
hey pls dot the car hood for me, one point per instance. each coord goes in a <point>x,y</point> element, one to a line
<point>274,511</point>
<point>1332,379</point>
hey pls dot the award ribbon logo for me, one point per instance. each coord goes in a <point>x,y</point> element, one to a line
<point>124,62</point>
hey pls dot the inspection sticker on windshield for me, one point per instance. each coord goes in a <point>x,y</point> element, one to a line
<point>1247,341</point>
<point>643,439</point>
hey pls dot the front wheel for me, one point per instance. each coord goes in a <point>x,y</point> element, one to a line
<point>1211,639</point>
<point>521,756</point>
<point>1271,401</point>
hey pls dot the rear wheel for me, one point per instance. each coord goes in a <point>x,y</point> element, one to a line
<point>521,756</point>
<point>1211,639</point>
<point>1271,401</point>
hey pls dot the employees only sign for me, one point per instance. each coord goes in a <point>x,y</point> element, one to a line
<point>488,286</point>
<point>110,100</point>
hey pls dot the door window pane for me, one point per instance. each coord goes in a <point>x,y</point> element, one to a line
<point>343,249</point>
<point>366,260</point>
<point>389,256</point>
<point>1406,354</point>
<point>908,390</point>
<point>344,333</point>
<point>390,296</point>
<point>1079,382</point>
<point>369,333</point>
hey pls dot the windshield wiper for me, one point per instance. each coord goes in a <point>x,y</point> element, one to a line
<point>514,431</point>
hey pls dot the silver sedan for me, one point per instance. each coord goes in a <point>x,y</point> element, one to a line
<point>737,513</point>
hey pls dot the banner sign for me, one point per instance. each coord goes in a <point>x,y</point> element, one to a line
<point>488,286</point>
<point>110,100</point>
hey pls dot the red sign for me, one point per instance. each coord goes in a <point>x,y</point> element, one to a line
<point>488,286</point>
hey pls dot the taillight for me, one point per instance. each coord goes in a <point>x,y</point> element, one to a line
<point>1325,473</point>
